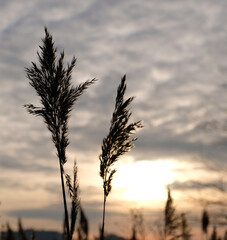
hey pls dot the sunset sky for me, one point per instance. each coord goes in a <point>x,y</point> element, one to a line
<point>174,54</point>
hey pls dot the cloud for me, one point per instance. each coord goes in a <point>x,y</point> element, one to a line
<point>52,211</point>
<point>195,185</point>
<point>174,55</point>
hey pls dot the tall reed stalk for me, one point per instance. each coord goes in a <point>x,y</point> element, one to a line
<point>52,82</point>
<point>117,142</point>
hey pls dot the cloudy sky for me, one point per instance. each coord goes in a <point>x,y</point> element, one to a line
<point>174,53</point>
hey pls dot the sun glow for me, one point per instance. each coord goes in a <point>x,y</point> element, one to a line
<point>145,180</point>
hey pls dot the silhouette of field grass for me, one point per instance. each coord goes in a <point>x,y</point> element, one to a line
<point>52,82</point>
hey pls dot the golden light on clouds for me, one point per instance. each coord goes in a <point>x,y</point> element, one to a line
<point>174,55</point>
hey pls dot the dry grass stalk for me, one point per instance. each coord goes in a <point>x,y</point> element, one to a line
<point>22,235</point>
<point>185,230</point>
<point>52,82</point>
<point>75,199</point>
<point>83,227</point>
<point>9,233</point>
<point>117,141</point>
<point>171,218</point>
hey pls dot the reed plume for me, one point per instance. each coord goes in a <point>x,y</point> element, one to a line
<point>9,233</point>
<point>52,82</point>
<point>21,232</point>
<point>117,141</point>
<point>214,234</point>
<point>171,218</point>
<point>205,220</point>
<point>185,230</point>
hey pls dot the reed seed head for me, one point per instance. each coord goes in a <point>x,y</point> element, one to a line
<point>118,140</point>
<point>52,82</point>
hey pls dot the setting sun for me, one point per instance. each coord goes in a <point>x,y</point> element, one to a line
<point>145,180</point>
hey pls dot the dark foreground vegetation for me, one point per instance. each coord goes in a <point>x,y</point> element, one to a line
<point>173,226</point>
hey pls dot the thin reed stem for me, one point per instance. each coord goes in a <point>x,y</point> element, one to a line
<point>103,216</point>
